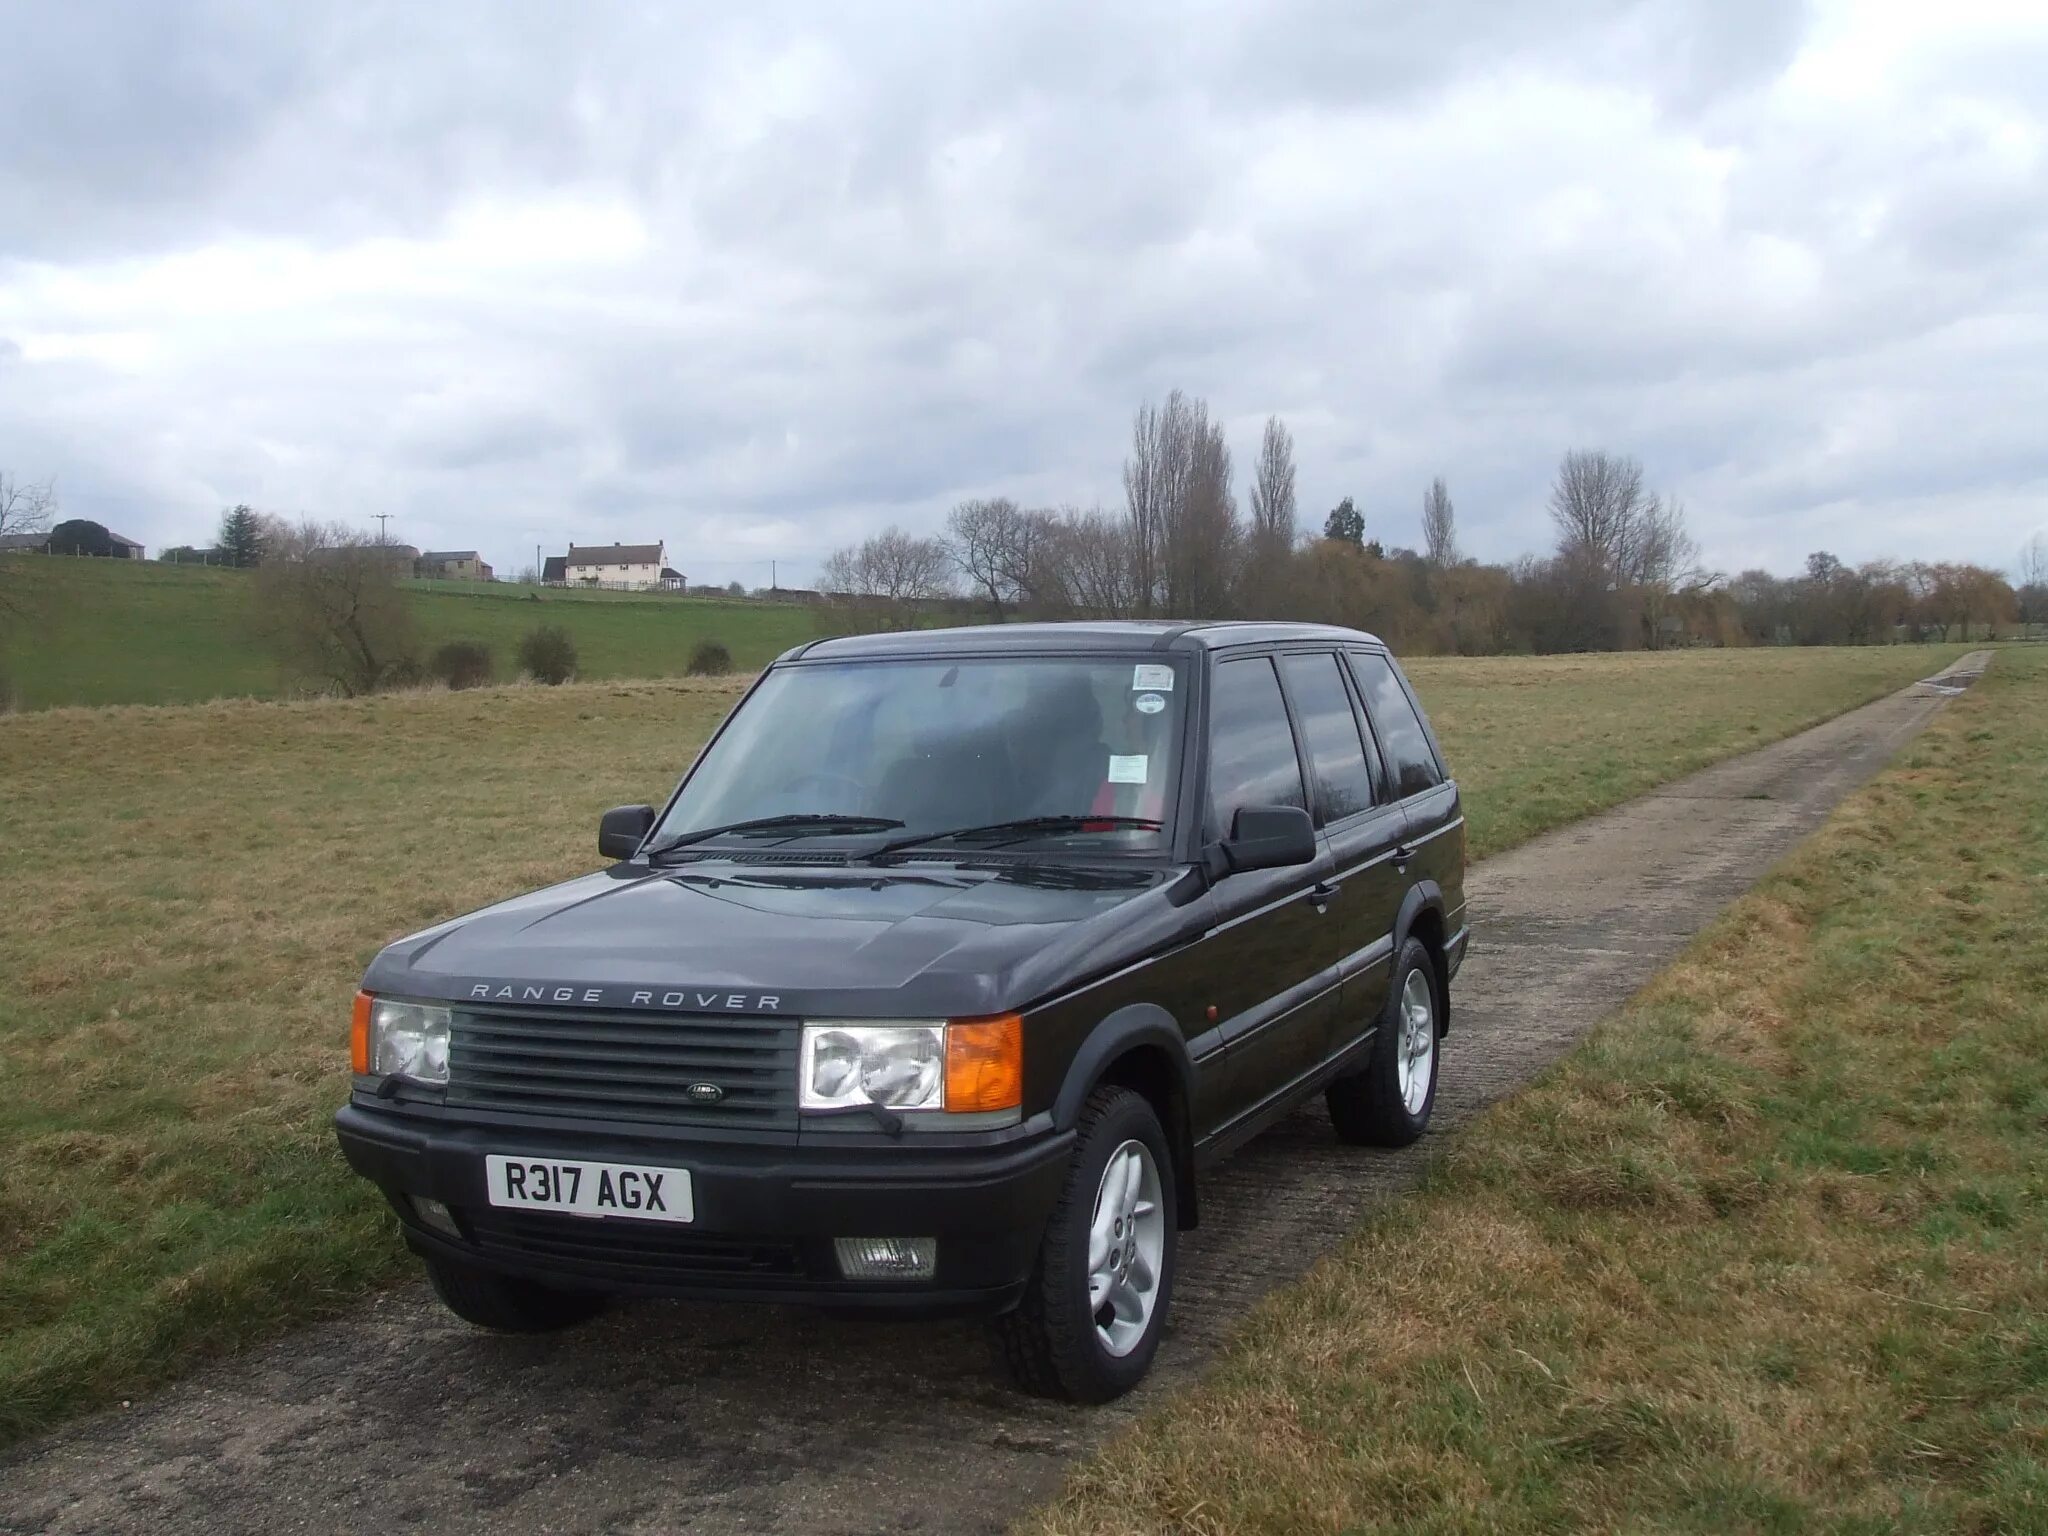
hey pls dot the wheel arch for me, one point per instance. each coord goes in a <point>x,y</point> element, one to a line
<point>1422,917</point>
<point>1141,1048</point>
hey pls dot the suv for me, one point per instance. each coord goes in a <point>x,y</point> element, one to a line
<point>949,966</point>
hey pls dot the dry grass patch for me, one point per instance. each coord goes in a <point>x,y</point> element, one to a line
<point>1770,1252</point>
<point>192,892</point>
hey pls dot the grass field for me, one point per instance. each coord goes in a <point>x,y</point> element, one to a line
<point>1769,1253</point>
<point>192,892</point>
<point>120,632</point>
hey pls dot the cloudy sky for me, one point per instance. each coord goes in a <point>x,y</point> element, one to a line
<point>759,279</point>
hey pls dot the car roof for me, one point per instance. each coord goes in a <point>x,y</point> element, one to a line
<point>1135,635</point>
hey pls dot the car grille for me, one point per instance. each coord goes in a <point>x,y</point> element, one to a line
<point>630,1067</point>
<point>650,1251</point>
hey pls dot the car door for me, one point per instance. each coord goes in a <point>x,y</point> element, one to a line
<point>1273,938</point>
<point>1415,769</point>
<point>1364,832</point>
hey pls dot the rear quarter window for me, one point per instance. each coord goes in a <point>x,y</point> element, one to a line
<point>1343,780</point>
<point>1411,764</point>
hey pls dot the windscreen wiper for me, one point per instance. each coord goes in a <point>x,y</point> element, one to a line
<point>796,824</point>
<point>1021,828</point>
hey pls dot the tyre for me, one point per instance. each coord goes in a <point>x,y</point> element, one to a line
<point>1092,1313</point>
<point>507,1304</point>
<point>1388,1103</point>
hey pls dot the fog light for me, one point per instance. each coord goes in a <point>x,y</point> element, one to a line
<point>433,1213</point>
<point>887,1258</point>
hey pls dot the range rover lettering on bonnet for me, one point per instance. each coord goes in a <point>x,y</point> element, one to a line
<point>627,997</point>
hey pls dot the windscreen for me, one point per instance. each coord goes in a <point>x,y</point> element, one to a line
<point>948,745</point>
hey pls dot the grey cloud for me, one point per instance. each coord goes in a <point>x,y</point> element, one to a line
<point>886,256</point>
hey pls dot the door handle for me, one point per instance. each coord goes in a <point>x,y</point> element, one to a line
<point>1321,892</point>
<point>1402,855</point>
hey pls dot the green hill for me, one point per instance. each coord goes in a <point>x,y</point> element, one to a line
<point>136,632</point>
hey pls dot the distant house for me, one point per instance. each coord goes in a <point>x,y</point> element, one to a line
<point>124,549</point>
<point>673,580</point>
<point>454,565</point>
<point>24,543</point>
<point>554,571</point>
<point>632,567</point>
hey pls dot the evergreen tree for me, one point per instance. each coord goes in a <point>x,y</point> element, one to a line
<point>1346,522</point>
<point>241,537</point>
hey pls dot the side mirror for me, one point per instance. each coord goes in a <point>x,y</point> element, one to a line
<point>623,829</point>
<point>1264,837</point>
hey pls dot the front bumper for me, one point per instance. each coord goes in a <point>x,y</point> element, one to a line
<point>765,1214</point>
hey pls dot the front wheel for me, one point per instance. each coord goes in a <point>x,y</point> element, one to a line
<point>506,1304</point>
<point>1091,1316</point>
<point>1388,1103</point>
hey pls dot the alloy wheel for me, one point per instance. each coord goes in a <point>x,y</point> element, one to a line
<point>1126,1244</point>
<point>1416,1053</point>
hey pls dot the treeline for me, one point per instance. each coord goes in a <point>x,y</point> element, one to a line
<point>1623,572</point>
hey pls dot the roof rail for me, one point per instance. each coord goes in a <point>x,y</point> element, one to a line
<point>1167,637</point>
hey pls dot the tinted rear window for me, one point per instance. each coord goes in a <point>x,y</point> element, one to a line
<point>1329,728</point>
<point>1411,765</point>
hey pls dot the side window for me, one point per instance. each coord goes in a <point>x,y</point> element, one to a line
<point>1251,746</point>
<point>1411,766</point>
<point>1330,731</point>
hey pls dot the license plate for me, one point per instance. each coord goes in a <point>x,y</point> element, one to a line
<point>576,1188</point>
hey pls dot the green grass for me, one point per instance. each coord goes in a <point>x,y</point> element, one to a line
<point>1768,1253</point>
<point>121,632</point>
<point>193,891</point>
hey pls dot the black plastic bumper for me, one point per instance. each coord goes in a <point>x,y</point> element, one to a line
<point>765,1216</point>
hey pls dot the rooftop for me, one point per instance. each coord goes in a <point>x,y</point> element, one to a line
<point>614,554</point>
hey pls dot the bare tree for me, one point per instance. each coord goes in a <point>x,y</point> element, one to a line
<point>273,533</point>
<point>2030,589</point>
<point>1629,548</point>
<point>1092,555</point>
<point>26,511</point>
<point>1598,505</point>
<point>1184,531</point>
<point>1439,529</point>
<point>328,601</point>
<point>1204,540</point>
<point>1001,549</point>
<point>1269,542</point>
<point>880,581</point>
<point>1155,486</point>
<point>26,507</point>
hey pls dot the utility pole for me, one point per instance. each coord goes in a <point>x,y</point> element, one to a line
<point>382,519</point>
<point>771,577</point>
<point>540,566</point>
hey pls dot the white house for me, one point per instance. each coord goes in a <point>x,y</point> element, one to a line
<point>636,567</point>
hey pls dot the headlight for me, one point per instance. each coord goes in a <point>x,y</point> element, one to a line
<point>967,1066</point>
<point>395,1039</point>
<point>902,1066</point>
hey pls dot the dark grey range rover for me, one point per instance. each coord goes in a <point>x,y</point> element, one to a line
<point>950,965</point>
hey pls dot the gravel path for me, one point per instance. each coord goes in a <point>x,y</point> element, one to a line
<point>665,1417</point>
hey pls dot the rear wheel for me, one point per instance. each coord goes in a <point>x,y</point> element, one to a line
<point>1388,1104</point>
<point>507,1304</point>
<point>1091,1316</point>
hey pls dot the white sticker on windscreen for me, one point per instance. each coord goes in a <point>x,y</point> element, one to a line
<point>1148,703</point>
<point>1127,770</point>
<point>1150,676</point>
